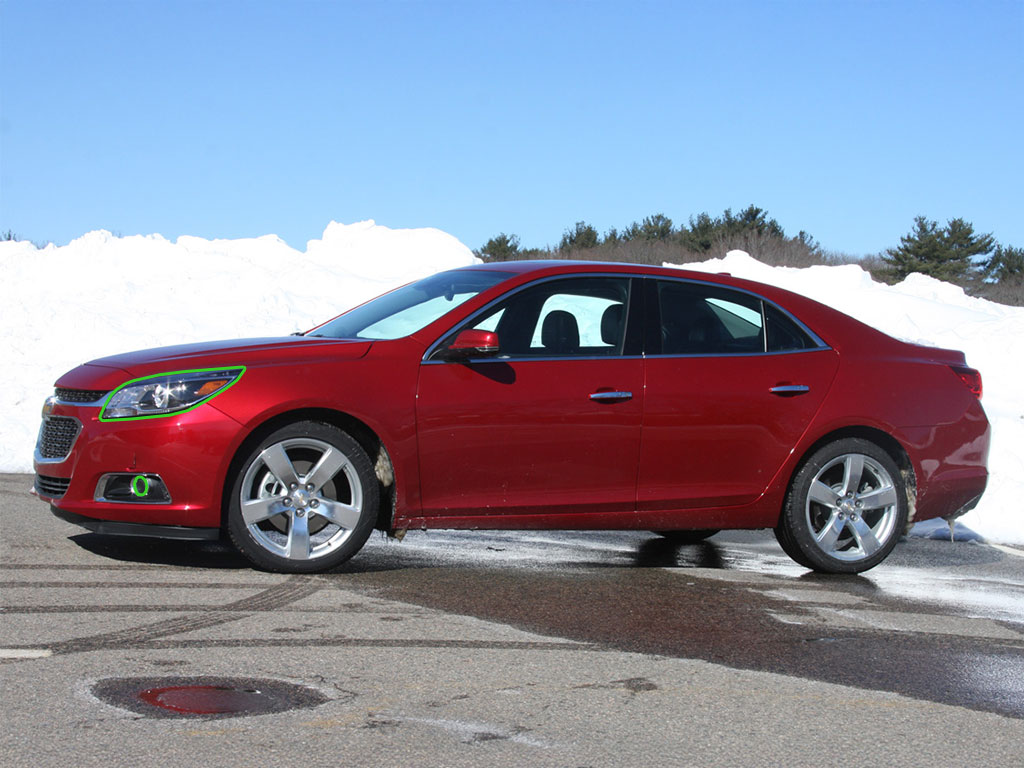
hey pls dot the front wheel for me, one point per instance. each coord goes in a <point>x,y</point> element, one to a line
<point>845,509</point>
<point>304,500</point>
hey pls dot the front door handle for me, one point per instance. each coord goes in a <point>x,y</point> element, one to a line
<point>788,390</point>
<point>604,396</point>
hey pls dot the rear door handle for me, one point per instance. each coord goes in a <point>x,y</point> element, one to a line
<point>612,396</point>
<point>785,390</point>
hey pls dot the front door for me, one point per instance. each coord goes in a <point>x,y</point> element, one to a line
<point>550,425</point>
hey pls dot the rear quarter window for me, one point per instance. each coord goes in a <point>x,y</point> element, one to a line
<point>783,334</point>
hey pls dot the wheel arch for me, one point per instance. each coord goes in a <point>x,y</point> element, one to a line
<point>361,432</point>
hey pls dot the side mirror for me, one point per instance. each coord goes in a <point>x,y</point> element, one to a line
<point>471,343</point>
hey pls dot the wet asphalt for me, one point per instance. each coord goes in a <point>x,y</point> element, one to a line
<point>557,618</point>
<point>901,627</point>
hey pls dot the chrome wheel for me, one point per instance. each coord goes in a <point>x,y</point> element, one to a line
<point>851,508</point>
<point>845,508</point>
<point>305,500</point>
<point>301,498</point>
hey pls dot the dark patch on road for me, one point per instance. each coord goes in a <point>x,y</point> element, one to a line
<point>633,684</point>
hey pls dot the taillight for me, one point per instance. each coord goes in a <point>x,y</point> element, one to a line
<point>970,377</point>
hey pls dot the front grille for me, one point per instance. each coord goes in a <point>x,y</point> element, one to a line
<point>54,487</point>
<point>80,395</point>
<point>57,437</point>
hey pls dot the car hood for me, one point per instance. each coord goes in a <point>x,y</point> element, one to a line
<point>112,371</point>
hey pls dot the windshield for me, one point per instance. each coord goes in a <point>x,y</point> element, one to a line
<point>411,307</point>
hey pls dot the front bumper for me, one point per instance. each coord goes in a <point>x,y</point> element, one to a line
<point>189,452</point>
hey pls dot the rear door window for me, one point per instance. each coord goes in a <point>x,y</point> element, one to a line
<point>694,318</point>
<point>702,319</point>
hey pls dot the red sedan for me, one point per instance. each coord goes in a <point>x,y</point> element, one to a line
<point>541,395</point>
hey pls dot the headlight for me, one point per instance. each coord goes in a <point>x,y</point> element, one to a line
<point>167,393</point>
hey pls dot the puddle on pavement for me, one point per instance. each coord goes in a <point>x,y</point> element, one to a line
<point>205,697</point>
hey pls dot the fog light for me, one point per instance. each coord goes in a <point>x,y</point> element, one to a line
<point>132,488</point>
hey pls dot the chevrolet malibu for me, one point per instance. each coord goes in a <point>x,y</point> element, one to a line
<point>527,395</point>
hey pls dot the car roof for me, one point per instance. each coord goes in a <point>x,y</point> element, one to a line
<point>571,266</point>
<point>534,268</point>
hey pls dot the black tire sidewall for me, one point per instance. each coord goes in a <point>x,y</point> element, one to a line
<point>360,461</point>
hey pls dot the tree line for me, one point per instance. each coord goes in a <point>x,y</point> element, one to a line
<point>954,252</point>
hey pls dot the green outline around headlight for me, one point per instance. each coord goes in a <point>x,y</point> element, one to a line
<point>225,388</point>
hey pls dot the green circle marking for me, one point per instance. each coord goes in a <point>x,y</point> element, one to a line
<point>140,486</point>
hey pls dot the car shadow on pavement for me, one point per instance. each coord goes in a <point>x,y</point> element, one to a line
<point>191,554</point>
<point>663,553</point>
<point>221,555</point>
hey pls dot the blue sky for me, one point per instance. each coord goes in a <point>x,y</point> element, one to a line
<point>237,119</point>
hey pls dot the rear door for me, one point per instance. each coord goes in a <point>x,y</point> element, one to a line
<point>550,425</point>
<point>732,384</point>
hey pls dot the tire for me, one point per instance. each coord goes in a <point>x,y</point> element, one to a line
<point>687,537</point>
<point>304,500</point>
<point>845,509</point>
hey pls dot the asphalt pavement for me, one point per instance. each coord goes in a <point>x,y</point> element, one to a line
<point>496,648</point>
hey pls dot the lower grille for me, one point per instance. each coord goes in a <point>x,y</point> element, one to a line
<point>53,487</point>
<point>57,437</point>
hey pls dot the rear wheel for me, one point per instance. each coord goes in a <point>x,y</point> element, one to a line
<point>845,509</point>
<point>304,500</point>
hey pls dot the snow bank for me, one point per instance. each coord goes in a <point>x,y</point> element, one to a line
<point>101,295</point>
<point>927,311</point>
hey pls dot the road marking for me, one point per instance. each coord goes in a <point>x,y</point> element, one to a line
<point>928,623</point>
<point>1008,550</point>
<point>25,653</point>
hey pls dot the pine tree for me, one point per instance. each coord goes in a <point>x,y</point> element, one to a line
<point>1006,265</point>
<point>918,250</point>
<point>656,227</point>
<point>581,236</point>
<point>702,233</point>
<point>501,248</point>
<point>965,248</point>
<point>751,219</point>
<point>947,253</point>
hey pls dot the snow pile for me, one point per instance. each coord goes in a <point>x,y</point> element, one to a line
<point>927,311</point>
<point>101,295</point>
